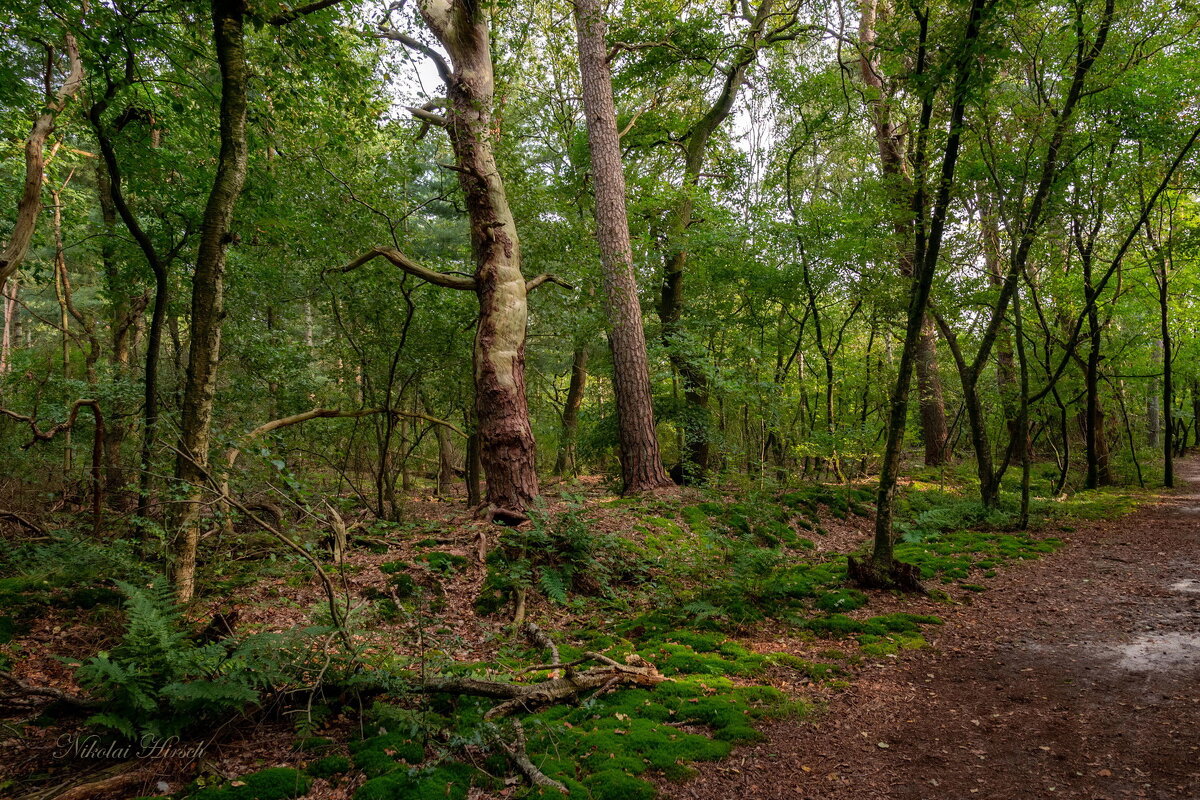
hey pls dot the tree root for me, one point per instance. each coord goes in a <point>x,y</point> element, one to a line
<point>866,573</point>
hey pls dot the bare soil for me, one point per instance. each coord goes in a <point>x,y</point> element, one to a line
<point>1075,676</point>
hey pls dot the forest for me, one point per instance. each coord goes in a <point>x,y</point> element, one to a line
<point>613,400</point>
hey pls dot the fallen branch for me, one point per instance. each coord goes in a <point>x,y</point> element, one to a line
<point>32,527</point>
<point>126,779</point>
<point>19,687</point>
<point>519,756</point>
<point>529,697</point>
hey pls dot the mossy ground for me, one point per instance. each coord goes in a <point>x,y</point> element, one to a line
<point>684,587</point>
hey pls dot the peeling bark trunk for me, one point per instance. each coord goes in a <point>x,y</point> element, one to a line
<point>208,289</point>
<point>506,438</point>
<point>641,462</point>
<point>565,461</point>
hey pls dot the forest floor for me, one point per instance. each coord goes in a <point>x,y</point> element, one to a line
<point>1065,663</point>
<point>1072,676</point>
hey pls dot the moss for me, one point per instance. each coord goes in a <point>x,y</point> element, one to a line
<point>382,754</point>
<point>873,645</point>
<point>328,766</point>
<point>616,785</point>
<point>841,600</point>
<point>313,744</point>
<point>447,781</point>
<point>404,585</point>
<point>696,519</point>
<point>392,567</point>
<point>813,670</point>
<point>443,563</point>
<point>276,783</point>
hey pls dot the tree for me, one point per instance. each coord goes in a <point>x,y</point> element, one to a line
<point>882,570</point>
<point>208,289</point>
<point>893,162</point>
<point>641,464</point>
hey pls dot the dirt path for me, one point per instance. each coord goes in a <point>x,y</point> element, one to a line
<point>1075,676</point>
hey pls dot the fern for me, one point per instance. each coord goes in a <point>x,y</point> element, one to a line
<point>158,681</point>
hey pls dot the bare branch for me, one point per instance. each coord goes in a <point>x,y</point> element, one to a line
<point>546,277</point>
<point>439,61</point>
<point>444,279</point>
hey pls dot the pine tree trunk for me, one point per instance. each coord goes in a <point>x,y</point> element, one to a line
<point>208,290</point>
<point>641,463</point>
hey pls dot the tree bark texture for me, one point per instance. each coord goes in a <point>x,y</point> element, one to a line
<point>506,438</point>
<point>564,462</point>
<point>641,463</point>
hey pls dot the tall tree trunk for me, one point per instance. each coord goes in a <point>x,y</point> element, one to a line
<point>883,570</point>
<point>505,435</point>
<point>641,463</point>
<point>8,296</point>
<point>30,204</point>
<point>120,324</point>
<point>565,460</point>
<point>1168,388</point>
<point>123,341</point>
<point>1095,444</point>
<point>208,289</point>
<point>894,165</point>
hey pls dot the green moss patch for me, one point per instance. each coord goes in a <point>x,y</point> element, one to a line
<point>328,767</point>
<point>277,783</point>
<point>950,556</point>
<point>442,563</point>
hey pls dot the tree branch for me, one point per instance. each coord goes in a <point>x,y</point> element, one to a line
<point>546,277</point>
<point>444,279</point>
<point>291,15</point>
<point>439,61</point>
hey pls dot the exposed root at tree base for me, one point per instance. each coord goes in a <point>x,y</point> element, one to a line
<point>865,573</point>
